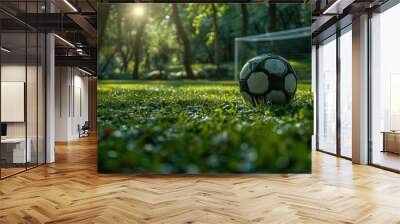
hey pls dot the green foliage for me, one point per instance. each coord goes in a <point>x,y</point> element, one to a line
<point>202,19</point>
<point>302,68</point>
<point>160,48</point>
<point>200,127</point>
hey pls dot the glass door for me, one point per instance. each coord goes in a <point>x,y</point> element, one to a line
<point>346,72</point>
<point>22,92</point>
<point>326,88</point>
<point>41,96</point>
<point>32,98</point>
<point>385,89</point>
<point>14,153</point>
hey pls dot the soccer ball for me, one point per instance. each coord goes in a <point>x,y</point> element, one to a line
<point>268,78</point>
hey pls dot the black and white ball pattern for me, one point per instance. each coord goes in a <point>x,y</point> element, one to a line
<point>268,78</point>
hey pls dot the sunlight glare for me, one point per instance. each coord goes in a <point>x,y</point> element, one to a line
<point>138,11</point>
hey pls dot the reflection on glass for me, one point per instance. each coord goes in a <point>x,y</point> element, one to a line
<point>327,96</point>
<point>346,92</point>
<point>385,84</point>
<point>14,150</point>
<point>31,101</point>
<point>41,99</point>
<point>22,92</point>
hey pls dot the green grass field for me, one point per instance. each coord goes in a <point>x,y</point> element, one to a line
<point>199,127</point>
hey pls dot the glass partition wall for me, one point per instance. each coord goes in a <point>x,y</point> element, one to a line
<point>334,94</point>
<point>326,60</point>
<point>22,95</point>
<point>334,105</point>
<point>345,90</point>
<point>385,89</point>
<point>13,89</point>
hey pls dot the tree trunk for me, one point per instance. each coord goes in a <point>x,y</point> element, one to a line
<point>187,49</point>
<point>272,18</point>
<point>216,43</point>
<point>125,67</point>
<point>120,45</point>
<point>147,60</point>
<point>108,61</point>
<point>102,25</point>
<point>245,20</point>
<point>136,46</point>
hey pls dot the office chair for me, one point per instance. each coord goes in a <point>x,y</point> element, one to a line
<point>84,130</point>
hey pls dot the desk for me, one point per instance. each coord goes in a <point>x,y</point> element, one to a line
<point>391,141</point>
<point>18,150</point>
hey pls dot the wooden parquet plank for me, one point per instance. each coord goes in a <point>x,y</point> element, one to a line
<point>71,191</point>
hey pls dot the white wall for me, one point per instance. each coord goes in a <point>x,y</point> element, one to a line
<point>33,126</point>
<point>71,102</point>
<point>62,82</point>
<point>12,73</point>
<point>80,109</point>
<point>17,73</point>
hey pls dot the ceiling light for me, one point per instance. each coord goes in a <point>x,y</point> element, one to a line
<point>5,50</point>
<point>330,8</point>
<point>65,41</point>
<point>84,71</point>
<point>70,5</point>
<point>80,51</point>
<point>337,7</point>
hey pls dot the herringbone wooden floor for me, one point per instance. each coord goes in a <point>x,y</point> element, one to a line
<point>70,191</point>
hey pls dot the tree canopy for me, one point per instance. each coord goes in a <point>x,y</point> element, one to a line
<point>192,40</point>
